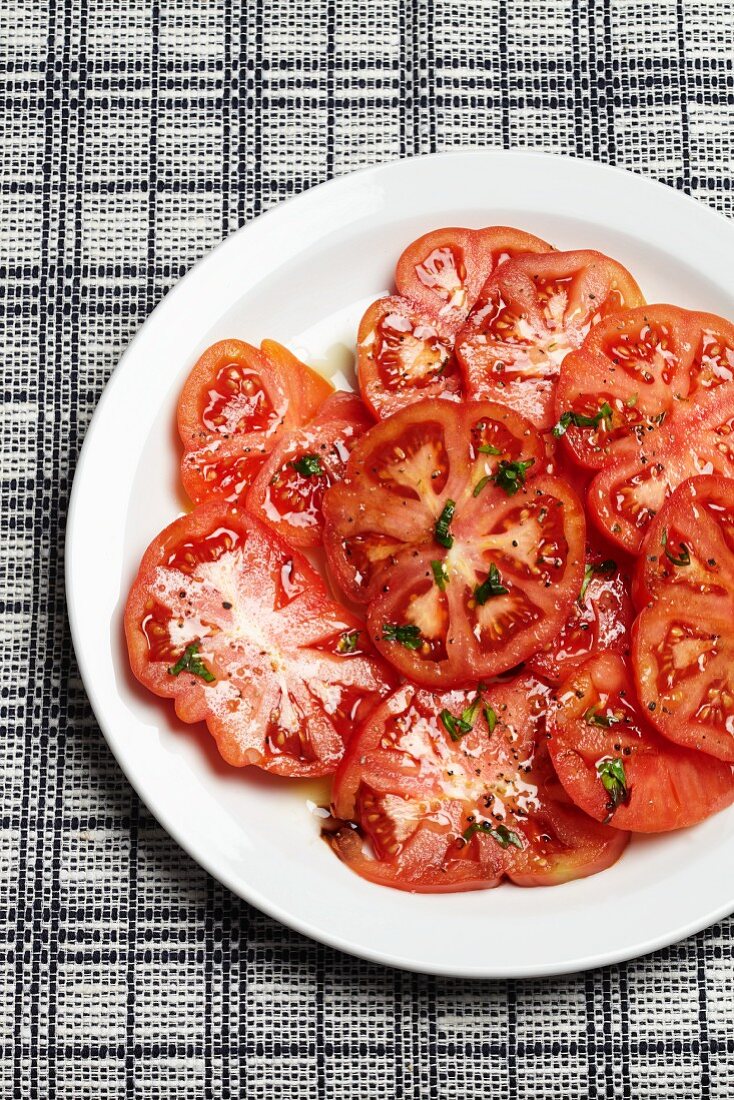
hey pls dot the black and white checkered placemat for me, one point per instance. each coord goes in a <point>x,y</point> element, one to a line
<point>137,134</point>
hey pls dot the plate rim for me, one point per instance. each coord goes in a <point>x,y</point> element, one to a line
<point>252,895</point>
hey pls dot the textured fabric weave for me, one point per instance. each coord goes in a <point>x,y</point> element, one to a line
<point>135,136</point>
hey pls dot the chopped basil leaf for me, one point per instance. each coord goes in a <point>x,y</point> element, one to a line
<point>348,641</point>
<point>613,778</point>
<point>504,836</point>
<point>510,476</point>
<point>308,466</point>
<point>189,661</point>
<point>441,530</point>
<point>440,574</point>
<point>488,449</point>
<point>490,717</point>
<point>407,635</point>
<point>457,727</point>
<point>685,555</point>
<point>579,420</point>
<point>590,571</point>
<point>480,484</point>
<point>594,718</point>
<point>492,586</point>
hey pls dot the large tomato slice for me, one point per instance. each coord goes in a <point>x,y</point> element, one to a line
<point>683,642</point>
<point>469,560</point>
<point>646,365</point>
<point>599,621</point>
<point>625,496</point>
<point>617,768</point>
<point>444,270</point>
<point>237,628</point>
<point>532,312</point>
<point>288,491</point>
<point>455,792</point>
<point>404,355</point>
<point>235,402</point>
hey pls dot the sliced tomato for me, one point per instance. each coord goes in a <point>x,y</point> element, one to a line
<point>646,366</point>
<point>625,496</point>
<point>469,561</point>
<point>237,628</point>
<point>532,312</point>
<point>683,642</point>
<point>288,491</point>
<point>454,791</point>
<point>599,621</point>
<point>689,548</point>
<point>444,270</point>
<point>404,355</point>
<point>617,768</point>
<point>236,402</point>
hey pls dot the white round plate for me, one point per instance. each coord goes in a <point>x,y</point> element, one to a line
<point>303,274</point>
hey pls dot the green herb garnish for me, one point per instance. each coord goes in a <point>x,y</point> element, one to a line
<point>189,661</point>
<point>492,586</point>
<point>308,466</point>
<point>441,530</point>
<point>590,571</point>
<point>504,836</point>
<point>613,778</point>
<point>348,641</point>
<point>480,484</point>
<point>594,718</point>
<point>579,420</point>
<point>488,449</point>
<point>510,476</point>
<point>685,555</point>
<point>490,717</point>
<point>457,727</point>
<point>406,635</point>
<point>440,574</point>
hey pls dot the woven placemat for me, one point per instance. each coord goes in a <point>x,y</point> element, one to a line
<point>136,136</point>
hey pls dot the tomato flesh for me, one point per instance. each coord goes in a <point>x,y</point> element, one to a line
<point>439,813</point>
<point>288,491</point>
<point>683,641</point>
<point>444,270</point>
<point>598,730</point>
<point>530,315</point>
<point>599,621</point>
<point>278,670</point>
<point>500,586</point>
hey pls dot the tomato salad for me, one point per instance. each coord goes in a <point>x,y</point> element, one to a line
<point>490,594</point>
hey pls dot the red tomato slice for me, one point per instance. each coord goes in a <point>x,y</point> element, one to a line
<point>683,643</point>
<point>599,621</point>
<point>288,491</point>
<point>532,312</point>
<point>444,270</point>
<point>427,811</point>
<point>625,497</point>
<point>235,403</point>
<point>689,548</point>
<point>617,768</point>
<point>648,365</point>
<point>404,355</point>
<point>454,603</point>
<point>237,628</point>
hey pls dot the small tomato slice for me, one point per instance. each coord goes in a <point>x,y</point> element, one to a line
<point>689,548</point>
<point>236,401</point>
<point>454,791</point>
<point>404,355</point>
<point>237,628</point>
<point>531,313</point>
<point>443,271</point>
<point>636,370</point>
<point>288,491</point>
<point>599,621</point>
<point>617,768</point>
<point>468,561</point>
<point>625,497</point>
